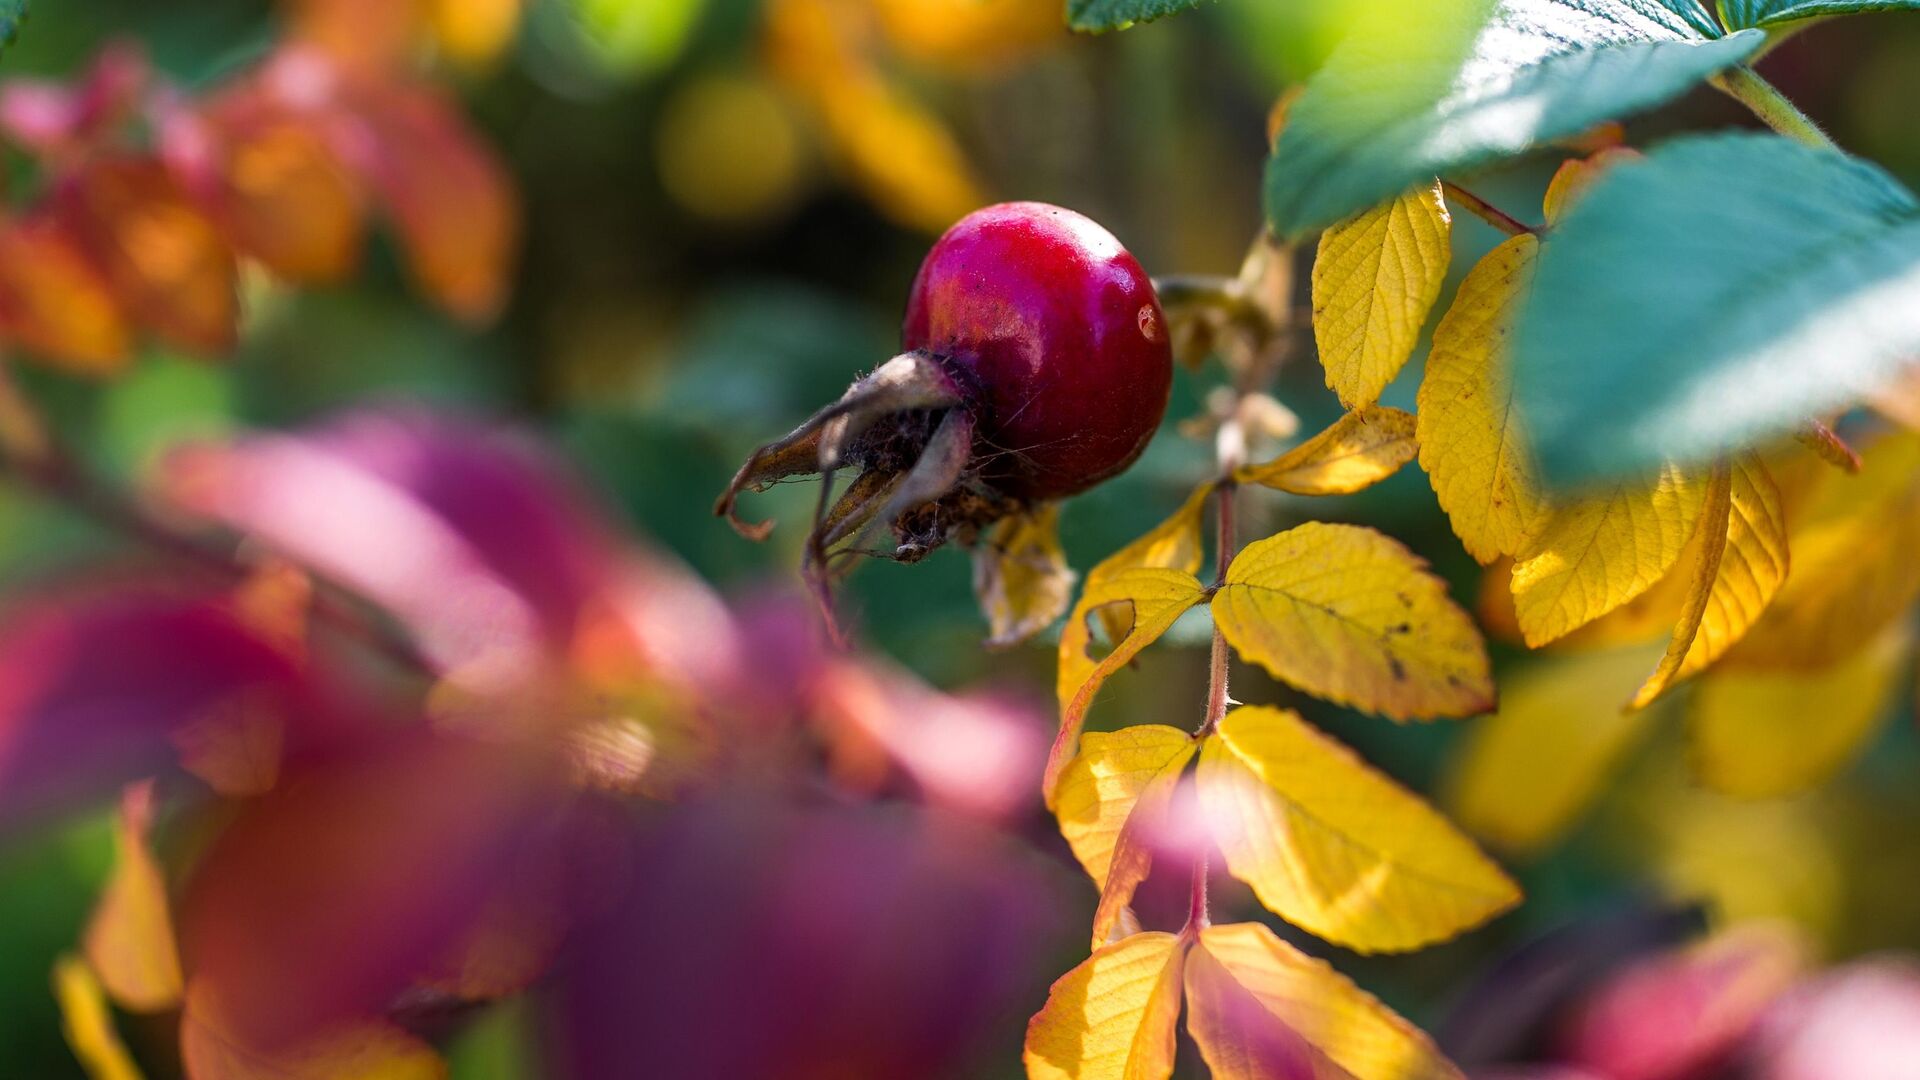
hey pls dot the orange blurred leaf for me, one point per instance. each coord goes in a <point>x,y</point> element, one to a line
<point>129,940</point>
<point>372,1049</point>
<point>55,303</point>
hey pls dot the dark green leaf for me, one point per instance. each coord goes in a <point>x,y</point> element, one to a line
<point>1096,15</point>
<point>1739,14</point>
<point>1466,82</point>
<point>1717,294</point>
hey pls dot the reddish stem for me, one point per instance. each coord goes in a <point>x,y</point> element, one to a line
<point>1486,211</point>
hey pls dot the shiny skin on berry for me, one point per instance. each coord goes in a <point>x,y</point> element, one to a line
<point>1056,339</point>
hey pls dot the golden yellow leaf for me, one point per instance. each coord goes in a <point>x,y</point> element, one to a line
<point>1471,442</point>
<point>1742,559</point>
<point>1242,975</point>
<point>1361,449</point>
<point>129,942</point>
<point>1529,771</point>
<point>1602,550</point>
<point>87,1023</point>
<point>1764,734</point>
<point>372,1049</point>
<point>1574,177</point>
<point>1021,577</point>
<point>1111,1018</point>
<point>1375,277</point>
<point>1118,786</point>
<point>1334,847</point>
<point>1349,615</point>
<point>1854,570</point>
<point>1157,597</point>
<point>1174,544</point>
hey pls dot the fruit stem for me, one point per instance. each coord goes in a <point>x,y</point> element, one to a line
<point>1764,100</point>
<point>1486,211</point>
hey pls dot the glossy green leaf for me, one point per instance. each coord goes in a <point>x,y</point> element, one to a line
<point>1739,14</point>
<point>1448,85</point>
<point>1715,295</point>
<point>1097,15</point>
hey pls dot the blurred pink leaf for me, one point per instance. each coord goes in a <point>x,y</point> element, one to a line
<point>1860,1022</point>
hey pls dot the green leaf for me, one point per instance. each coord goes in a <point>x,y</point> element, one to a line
<point>1719,293</point>
<point>1466,82</point>
<point>1098,15</point>
<point>1739,14</point>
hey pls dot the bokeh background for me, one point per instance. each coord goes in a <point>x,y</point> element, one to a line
<point>725,201</point>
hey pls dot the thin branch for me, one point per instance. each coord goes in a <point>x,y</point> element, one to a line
<point>1486,211</point>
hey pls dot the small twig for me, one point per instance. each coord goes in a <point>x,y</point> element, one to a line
<point>1486,211</point>
<point>1774,109</point>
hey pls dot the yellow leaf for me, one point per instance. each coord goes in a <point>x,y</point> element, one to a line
<point>1116,789</point>
<point>1242,975</point>
<point>1854,570</point>
<point>129,940</point>
<point>1349,615</point>
<point>1361,449</point>
<point>372,1049</point>
<point>1111,1018</point>
<point>1742,559</point>
<point>1375,278</point>
<point>1471,442</point>
<point>1174,544</point>
<point>1158,598</point>
<point>1021,577</point>
<point>1765,734</point>
<point>1574,177</point>
<point>1334,847</point>
<point>1602,550</point>
<point>1529,771</point>
<point>87,1023</point>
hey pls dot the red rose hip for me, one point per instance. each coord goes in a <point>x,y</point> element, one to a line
<point>1057,333</point>
<point>1036,365</point>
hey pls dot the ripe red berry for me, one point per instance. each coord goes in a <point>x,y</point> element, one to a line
<point>1057,339</point>
<point>1037,364</point>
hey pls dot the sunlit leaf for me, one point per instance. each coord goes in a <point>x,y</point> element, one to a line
<point>1742,560</point>
<point>1241,978</point>
<point>1601,550</point>
<point>129,940</point>
<point>1174,544</point>
<point>1334,847</point>
<point>1157,598</point>
<point>1349,615</point>
<point>1108,797</point>
<point>1472,444</point>
<point>1436,88</point>
<point>1111,1018</point>
<point>1096,15</point>
<point>1572,179</point>
<point>968,35</point>
<point>1765,734</point>
<point>1020,576</point>
<point>88,1023</point>
<point>1528,772</point>
<point>370,1049</point>
<point>1769,282</point>
<point>1769,13</point>
<point>1361,449</point>
<point>1374,279</point>
<point>1853,566</point>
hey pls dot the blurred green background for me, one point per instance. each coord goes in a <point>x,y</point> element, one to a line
<point>707,259</point>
